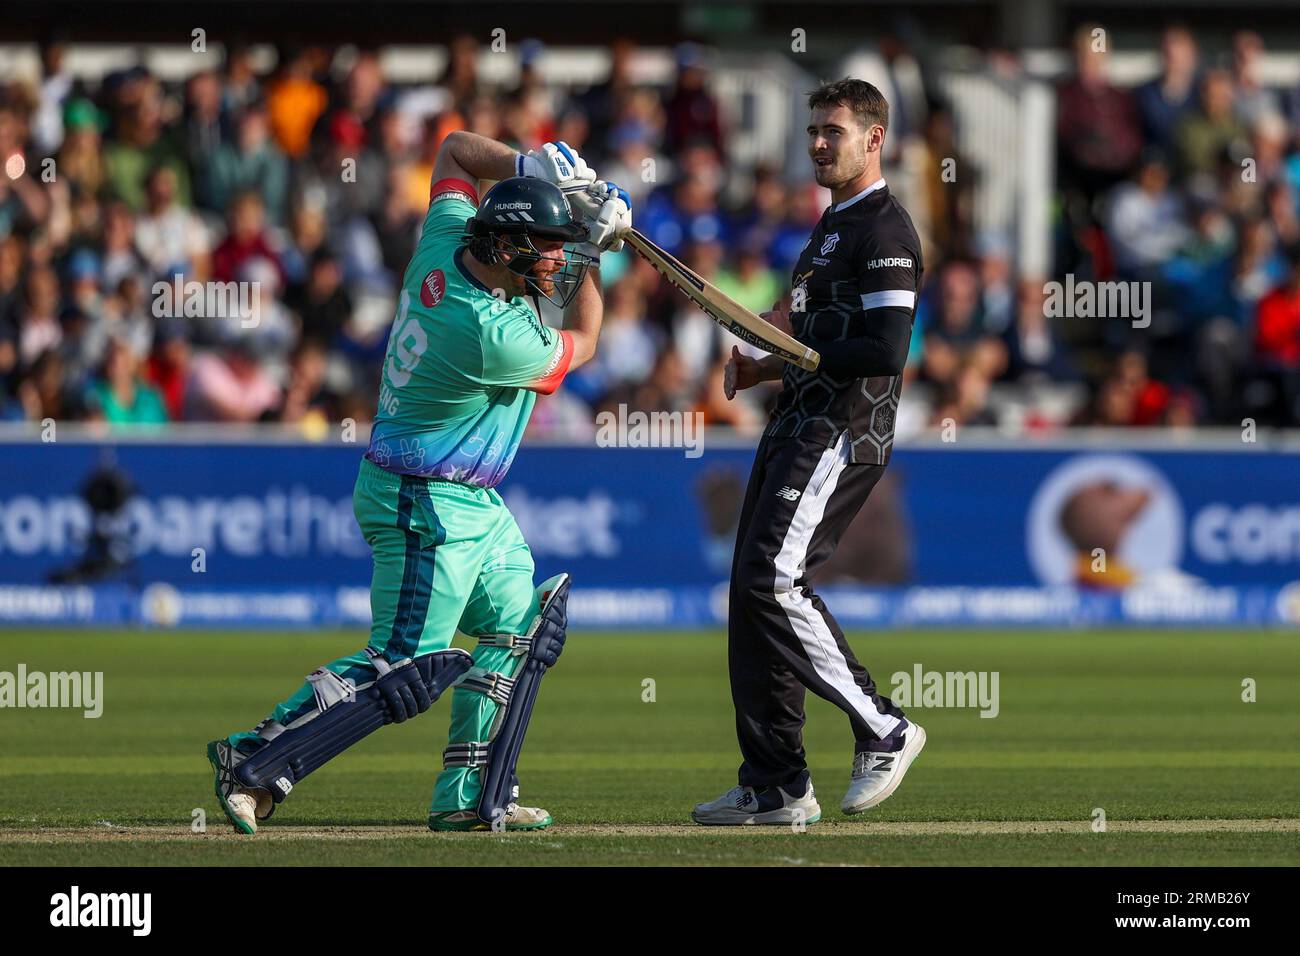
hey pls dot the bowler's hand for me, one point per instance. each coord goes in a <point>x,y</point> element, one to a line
<point>742,372</point>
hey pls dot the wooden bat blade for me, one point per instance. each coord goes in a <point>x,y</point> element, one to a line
<point>724,310</point>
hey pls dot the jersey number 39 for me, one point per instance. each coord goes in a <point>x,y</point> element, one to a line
<point>408,344</point>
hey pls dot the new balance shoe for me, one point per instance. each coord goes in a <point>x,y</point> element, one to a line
<point>746,806</point>
<point>877,775</point>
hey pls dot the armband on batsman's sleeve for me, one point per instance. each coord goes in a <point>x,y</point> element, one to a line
<point>558,368</point>
<point>520,352</point>
<point>458,188</point>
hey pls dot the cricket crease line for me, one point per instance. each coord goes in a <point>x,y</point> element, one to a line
<point>288,833</point>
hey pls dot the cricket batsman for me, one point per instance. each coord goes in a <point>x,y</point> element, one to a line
<point>466,358</point>
<point>829,438</point>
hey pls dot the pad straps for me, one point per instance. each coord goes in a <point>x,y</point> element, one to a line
<point>519,643</point>
<point>488,683</point>
<point>472,753</point>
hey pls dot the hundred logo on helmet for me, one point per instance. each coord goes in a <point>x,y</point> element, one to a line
<point>514,215</point>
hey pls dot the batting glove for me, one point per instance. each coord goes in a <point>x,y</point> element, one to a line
<point>557,163</point>
<point>403,692</point>
<point>606,210</point>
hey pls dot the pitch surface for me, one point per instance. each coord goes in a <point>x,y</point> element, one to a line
<point>1147,728</point>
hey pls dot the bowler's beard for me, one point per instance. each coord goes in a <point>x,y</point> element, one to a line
<point>835,175</point>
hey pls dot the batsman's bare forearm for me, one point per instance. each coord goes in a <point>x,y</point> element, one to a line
<point>583,318</point>
<point>469,156</point>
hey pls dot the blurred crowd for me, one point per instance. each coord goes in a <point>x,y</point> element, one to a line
<point>309,182</point>
<point>1190,182</point>
<point>1187,184</point>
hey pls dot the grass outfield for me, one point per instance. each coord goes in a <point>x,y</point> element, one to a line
<point>1149,727</point>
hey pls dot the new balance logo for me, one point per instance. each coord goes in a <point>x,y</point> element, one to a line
<point>788,493</point>
<point>867,762</point>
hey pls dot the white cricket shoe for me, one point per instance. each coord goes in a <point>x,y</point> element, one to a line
<point>876,776</point>
<point>745,806</point>
<point>242,806</point>
<point>241,810</point>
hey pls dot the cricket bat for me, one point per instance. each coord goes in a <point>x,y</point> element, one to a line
<point>726,311</point>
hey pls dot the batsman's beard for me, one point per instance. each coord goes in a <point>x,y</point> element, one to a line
<point>546,283</point>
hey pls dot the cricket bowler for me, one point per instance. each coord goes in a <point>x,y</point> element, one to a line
<point>466,359</point>
<point>829,438</point>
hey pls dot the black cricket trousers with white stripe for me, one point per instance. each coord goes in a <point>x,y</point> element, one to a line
<point>781,638</point>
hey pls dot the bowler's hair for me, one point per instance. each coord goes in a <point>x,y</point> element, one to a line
<point>867,103</point>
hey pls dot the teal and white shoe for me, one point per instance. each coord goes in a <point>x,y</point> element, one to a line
<point>516,818</point>
<point>243,806</point>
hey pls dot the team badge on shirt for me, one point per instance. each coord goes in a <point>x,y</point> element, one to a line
<point>432,288</point>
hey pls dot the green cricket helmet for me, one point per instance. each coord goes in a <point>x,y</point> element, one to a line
<point>513,216</point>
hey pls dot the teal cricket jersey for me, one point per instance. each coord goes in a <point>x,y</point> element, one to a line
<point>463,367</point>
